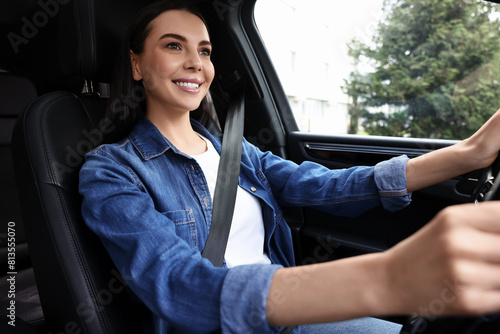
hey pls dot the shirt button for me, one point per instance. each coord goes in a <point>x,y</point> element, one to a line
<point>253,189</point>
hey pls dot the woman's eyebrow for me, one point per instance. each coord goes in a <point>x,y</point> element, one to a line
<point>179,37</point>
<point>204,43</point>
<point>183,39</point>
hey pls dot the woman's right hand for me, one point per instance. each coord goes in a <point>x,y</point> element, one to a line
<point>450,266</point>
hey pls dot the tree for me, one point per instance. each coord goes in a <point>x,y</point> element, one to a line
<point>436,68</point>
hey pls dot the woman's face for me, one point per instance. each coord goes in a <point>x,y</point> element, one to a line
<point>175,66</point>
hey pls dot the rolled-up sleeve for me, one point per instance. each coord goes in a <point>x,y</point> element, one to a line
<point>250,298</point>
<point>390,178</point>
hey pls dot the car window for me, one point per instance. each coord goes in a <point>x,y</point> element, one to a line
<point>406,68</point>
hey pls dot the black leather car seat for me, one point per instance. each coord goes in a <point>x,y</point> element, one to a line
<point>16,92</point>
<point>78,286</point>
<point>80,289</point>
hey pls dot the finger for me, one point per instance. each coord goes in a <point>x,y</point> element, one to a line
<point>478,245</point>
<point>484,216</point>
<point>469,273</point>
<point>476,302</point>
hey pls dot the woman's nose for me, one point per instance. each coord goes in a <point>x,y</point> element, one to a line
<point>193,61</point>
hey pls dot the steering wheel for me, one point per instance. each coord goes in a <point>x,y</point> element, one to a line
<point>488,188</point>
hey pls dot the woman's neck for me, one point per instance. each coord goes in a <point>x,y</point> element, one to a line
<point>176,127</point>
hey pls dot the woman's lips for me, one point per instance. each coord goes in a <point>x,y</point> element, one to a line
<point>191,85</point>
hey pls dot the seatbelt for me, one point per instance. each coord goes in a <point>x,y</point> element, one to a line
<point>226,184</point>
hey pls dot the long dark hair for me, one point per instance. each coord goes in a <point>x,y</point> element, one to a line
<point>127,101</point>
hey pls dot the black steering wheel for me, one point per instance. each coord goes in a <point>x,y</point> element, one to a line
<point>488,188</point>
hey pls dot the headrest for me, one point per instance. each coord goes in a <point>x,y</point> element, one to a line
<point>91,33</point>
<point>27,46</point>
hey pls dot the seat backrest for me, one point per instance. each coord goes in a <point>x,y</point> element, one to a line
<point>80,289</point>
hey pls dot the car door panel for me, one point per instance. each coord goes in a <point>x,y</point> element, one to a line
<point>376,229</point>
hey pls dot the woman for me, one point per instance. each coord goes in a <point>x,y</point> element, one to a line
<point>149,198</point>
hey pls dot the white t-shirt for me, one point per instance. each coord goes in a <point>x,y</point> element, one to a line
<point>246,237</point>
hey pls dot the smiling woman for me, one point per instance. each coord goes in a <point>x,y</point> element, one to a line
<point>176,72</point>
<point>170,60</point>
<point>149,197</point>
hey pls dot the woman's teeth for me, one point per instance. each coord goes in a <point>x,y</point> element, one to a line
<point>187,84</point>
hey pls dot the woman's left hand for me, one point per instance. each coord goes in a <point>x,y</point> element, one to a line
<point>475,152</point>
<point>486,141</point>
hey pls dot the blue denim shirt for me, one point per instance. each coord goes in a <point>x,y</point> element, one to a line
<point>150,205</point>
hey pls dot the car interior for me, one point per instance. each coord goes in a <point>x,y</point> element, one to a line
<point>56,61</point>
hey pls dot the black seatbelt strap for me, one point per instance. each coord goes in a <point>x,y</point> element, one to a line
<point>226,184</point>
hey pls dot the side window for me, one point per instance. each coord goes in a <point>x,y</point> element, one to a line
<point>406,68</point>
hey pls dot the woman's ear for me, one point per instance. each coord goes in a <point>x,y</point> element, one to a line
<point>136,71</point>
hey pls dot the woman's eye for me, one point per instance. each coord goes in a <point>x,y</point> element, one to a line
<point>206,52</point>
<point>173,46</point>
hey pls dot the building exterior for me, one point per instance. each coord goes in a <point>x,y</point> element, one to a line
<point>307,61</point>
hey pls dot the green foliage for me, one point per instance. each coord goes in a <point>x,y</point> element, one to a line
<point>436,68</point>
